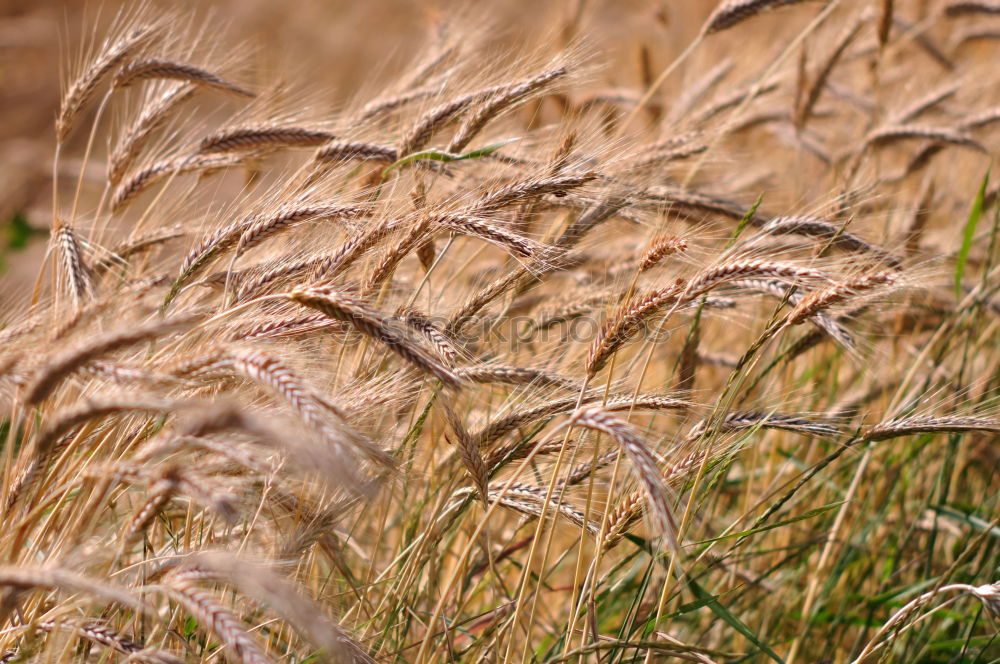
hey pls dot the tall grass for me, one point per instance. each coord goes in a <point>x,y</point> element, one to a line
<point>495,365</point>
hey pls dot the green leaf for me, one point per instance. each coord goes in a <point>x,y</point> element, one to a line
<point>697,604</point>
<point>488,150</point>
<point>190,627</point>
<point>642,543</point>
<point>744,221</point>
<point>802,517</point>
<point>441,155</point>
<point>970,231</point>
<point>712,602</point>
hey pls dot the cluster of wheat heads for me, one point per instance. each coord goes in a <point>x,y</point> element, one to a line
<point>494,366</point>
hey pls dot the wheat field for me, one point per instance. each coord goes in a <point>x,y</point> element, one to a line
<point>582,331</point>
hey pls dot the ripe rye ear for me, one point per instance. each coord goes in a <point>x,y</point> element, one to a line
<point>644,465</point>
<point>370,322</point>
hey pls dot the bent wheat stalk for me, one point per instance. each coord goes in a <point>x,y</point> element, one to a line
<point>345,307</point>
<point>644,464</point>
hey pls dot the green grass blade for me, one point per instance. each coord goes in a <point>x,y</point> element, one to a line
<point>744,221</point>
<point>970,232</point>
<point>802,517</point>
<point>712,602</point>
<point>443,156</point>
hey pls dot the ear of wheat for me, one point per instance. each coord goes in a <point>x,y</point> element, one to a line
<point>644,465</point>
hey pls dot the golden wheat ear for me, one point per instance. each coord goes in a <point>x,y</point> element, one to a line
<point>212,615</point>
<point>61,366</point>
<point>266,586</point>
<point>21,579</point>
<point>644,465</point>
<point>372,323</point>
<point>163,69</point>
<point>115,50</point>
<point>102,635</point>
